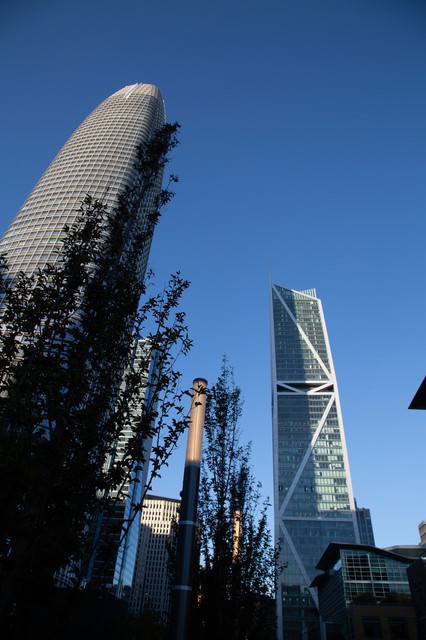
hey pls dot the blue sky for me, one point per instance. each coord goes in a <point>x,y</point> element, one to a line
<point>302,157</point>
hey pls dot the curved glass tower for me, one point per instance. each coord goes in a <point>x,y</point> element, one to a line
<point>314,504</point>
<point>98,160</point>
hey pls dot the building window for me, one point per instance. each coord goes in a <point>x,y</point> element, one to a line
<point>372,627</point>
<point>398,628</point>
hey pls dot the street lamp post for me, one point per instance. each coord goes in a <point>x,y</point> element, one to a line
<point>182,586</point>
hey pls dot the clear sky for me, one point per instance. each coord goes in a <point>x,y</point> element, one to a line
<point>302,157</point>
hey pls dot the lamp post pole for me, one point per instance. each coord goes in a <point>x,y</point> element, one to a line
<point>182,586</point>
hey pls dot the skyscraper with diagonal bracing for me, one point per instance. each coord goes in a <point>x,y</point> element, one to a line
<point>313,499</point>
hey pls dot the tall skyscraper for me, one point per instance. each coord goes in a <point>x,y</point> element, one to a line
<point>313,498</point>
<point>98,160</point>
<point>117,577</point>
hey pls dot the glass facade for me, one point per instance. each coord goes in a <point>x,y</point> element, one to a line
<point>368,572</point>
<point>98,160</point>
<point>314,504</point>
<point>127,550</point>
<point>364,592</point>
<point>365,526</point>
<point>123,508</point>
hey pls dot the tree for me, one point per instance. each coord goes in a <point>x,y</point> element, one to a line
<point>66,338</point>
<point>237,560</point>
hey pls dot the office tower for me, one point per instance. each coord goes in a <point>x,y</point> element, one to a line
<point>122,506</point>
<point>151,583</point>
<point>365,526</point>
<point>313,498</point>
<point>99,160</point>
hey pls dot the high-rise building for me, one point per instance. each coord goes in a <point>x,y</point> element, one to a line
<point>123,505</point>
<point>313,497</point>
<point>98,160</point>
<point>151,583</point>
<point>365,525</point>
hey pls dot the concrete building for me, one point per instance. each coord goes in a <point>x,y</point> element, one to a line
<point>151,583</point>
<point>422,532</point>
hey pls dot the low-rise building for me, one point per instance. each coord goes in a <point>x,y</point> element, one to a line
<point>364,593</point>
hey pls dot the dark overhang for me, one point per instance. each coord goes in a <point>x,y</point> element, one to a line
<point>320,580</point>
<point>419,400</point>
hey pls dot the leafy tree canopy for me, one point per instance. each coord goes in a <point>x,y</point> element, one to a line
<point>238,563</point>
